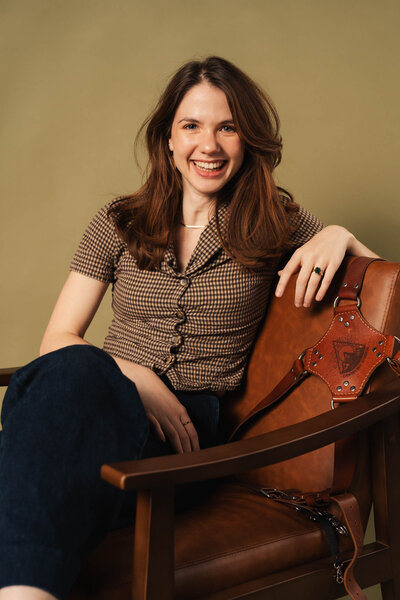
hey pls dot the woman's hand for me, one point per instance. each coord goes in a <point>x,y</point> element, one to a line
<point>166,414</point>
<point>325,250</point>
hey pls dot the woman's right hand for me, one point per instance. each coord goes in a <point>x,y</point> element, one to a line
<point>164,411</point>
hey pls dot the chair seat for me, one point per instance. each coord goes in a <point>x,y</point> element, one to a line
<point>233,536</point>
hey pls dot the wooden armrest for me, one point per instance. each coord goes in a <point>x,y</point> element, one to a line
<point>255,452</point>
<point>6,374</point>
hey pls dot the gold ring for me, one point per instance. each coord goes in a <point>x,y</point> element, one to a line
<point>318,271</point>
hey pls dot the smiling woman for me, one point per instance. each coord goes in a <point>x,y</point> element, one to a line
<point>207,149</point>
<point>191,257</point>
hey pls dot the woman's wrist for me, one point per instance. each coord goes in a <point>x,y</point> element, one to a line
<point>146,381</point>
<point>356,248</point>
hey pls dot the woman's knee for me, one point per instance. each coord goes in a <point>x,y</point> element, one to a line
<point>80,364</point>
<point>76,379</point>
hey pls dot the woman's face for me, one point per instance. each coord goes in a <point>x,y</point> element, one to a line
<point>206,147</point>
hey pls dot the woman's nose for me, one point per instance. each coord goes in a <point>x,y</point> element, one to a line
<point>209,142</point>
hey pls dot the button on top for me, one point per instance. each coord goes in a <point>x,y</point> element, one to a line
<point>184,281</point>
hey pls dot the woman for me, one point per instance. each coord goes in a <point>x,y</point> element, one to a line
<point>191,257</point>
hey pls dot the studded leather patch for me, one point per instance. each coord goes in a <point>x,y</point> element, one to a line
<point>348,353</point>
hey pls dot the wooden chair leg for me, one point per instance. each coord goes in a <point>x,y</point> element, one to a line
<point>386,475</point>
<point>153,559</point>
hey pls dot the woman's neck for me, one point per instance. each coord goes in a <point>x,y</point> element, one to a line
<point>197,211</point>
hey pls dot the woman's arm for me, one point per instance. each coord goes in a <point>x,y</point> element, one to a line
<point>74,310</point>
<point>325,250</point>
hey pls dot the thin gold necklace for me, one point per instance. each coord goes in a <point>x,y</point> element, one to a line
<point>193,226</point>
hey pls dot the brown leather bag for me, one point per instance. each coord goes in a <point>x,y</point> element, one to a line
<point>344,358</point>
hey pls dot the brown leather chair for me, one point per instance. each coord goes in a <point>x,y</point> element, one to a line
<point>236,543</point>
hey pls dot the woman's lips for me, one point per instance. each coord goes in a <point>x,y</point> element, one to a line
<point>209,173</point>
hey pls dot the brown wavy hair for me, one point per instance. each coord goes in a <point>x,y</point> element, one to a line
<point>259,222</point>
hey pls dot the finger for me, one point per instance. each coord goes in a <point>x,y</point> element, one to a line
<point>173,436</point>
<point>189,439</point>
<point>194,438</point>
<point>291,267</point>
<point>179,434</point>
<point>326,281</point>
<point>175,439</point>
<point>313,284</point>
<point>301,284</point>
<point>157,427</point>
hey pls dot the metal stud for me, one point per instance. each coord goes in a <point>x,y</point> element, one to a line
<point>373,349</point>
<point>346,324</point>
<point>353,388</point>
<point>340,319</point>
<point>314,364</point>
<point>339,388</point>
<point>320,356</point>
<point>379,354</point>
<point>351,317</point>
<point>356,285</point>
<point>380,342</point>
<point>316,351</point>
<point>344,283</point>
<point>346,383</point>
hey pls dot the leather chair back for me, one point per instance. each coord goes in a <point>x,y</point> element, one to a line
<point>286,332</point>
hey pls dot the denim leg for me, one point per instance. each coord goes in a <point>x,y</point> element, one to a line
<point>64,415</point>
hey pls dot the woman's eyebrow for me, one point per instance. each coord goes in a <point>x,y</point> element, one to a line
<point>226,122</point>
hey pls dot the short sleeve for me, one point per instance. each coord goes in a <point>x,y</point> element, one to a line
<point>307,225</point>
<point>99,250</point>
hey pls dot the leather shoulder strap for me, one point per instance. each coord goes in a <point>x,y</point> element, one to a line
<point>351,513</point>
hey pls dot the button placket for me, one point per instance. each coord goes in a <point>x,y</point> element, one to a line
<point>177,338</point>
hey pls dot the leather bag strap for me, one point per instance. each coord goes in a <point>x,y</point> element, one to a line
<point>289,381</point>
<point>349,506</point>
<point>354,277</point>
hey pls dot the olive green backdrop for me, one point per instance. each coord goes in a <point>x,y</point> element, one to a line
<point>79,76</point>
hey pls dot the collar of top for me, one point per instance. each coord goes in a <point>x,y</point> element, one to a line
<point>207,248</point>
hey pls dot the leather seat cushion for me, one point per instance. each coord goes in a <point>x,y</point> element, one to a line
<point>233,536</point>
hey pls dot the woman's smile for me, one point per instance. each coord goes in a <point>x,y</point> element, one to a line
<point>209,169</point>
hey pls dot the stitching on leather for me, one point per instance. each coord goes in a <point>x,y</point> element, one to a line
<point>388,298</point>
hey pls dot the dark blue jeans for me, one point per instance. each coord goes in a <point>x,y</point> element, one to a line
<point>64,415</point>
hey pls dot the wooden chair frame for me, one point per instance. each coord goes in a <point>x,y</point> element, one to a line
<point>154,480</point>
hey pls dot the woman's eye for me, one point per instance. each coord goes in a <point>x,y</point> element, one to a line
<point>190,126</point>
<point>228,128</point>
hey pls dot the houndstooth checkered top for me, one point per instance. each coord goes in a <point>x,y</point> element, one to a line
<point>197,327</point>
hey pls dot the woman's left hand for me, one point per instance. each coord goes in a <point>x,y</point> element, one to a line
<point>326,251</point>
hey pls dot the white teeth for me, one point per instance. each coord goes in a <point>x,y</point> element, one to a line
<point>209,166</point>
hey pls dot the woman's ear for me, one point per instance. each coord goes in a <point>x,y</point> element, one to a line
<point>170,146</point>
